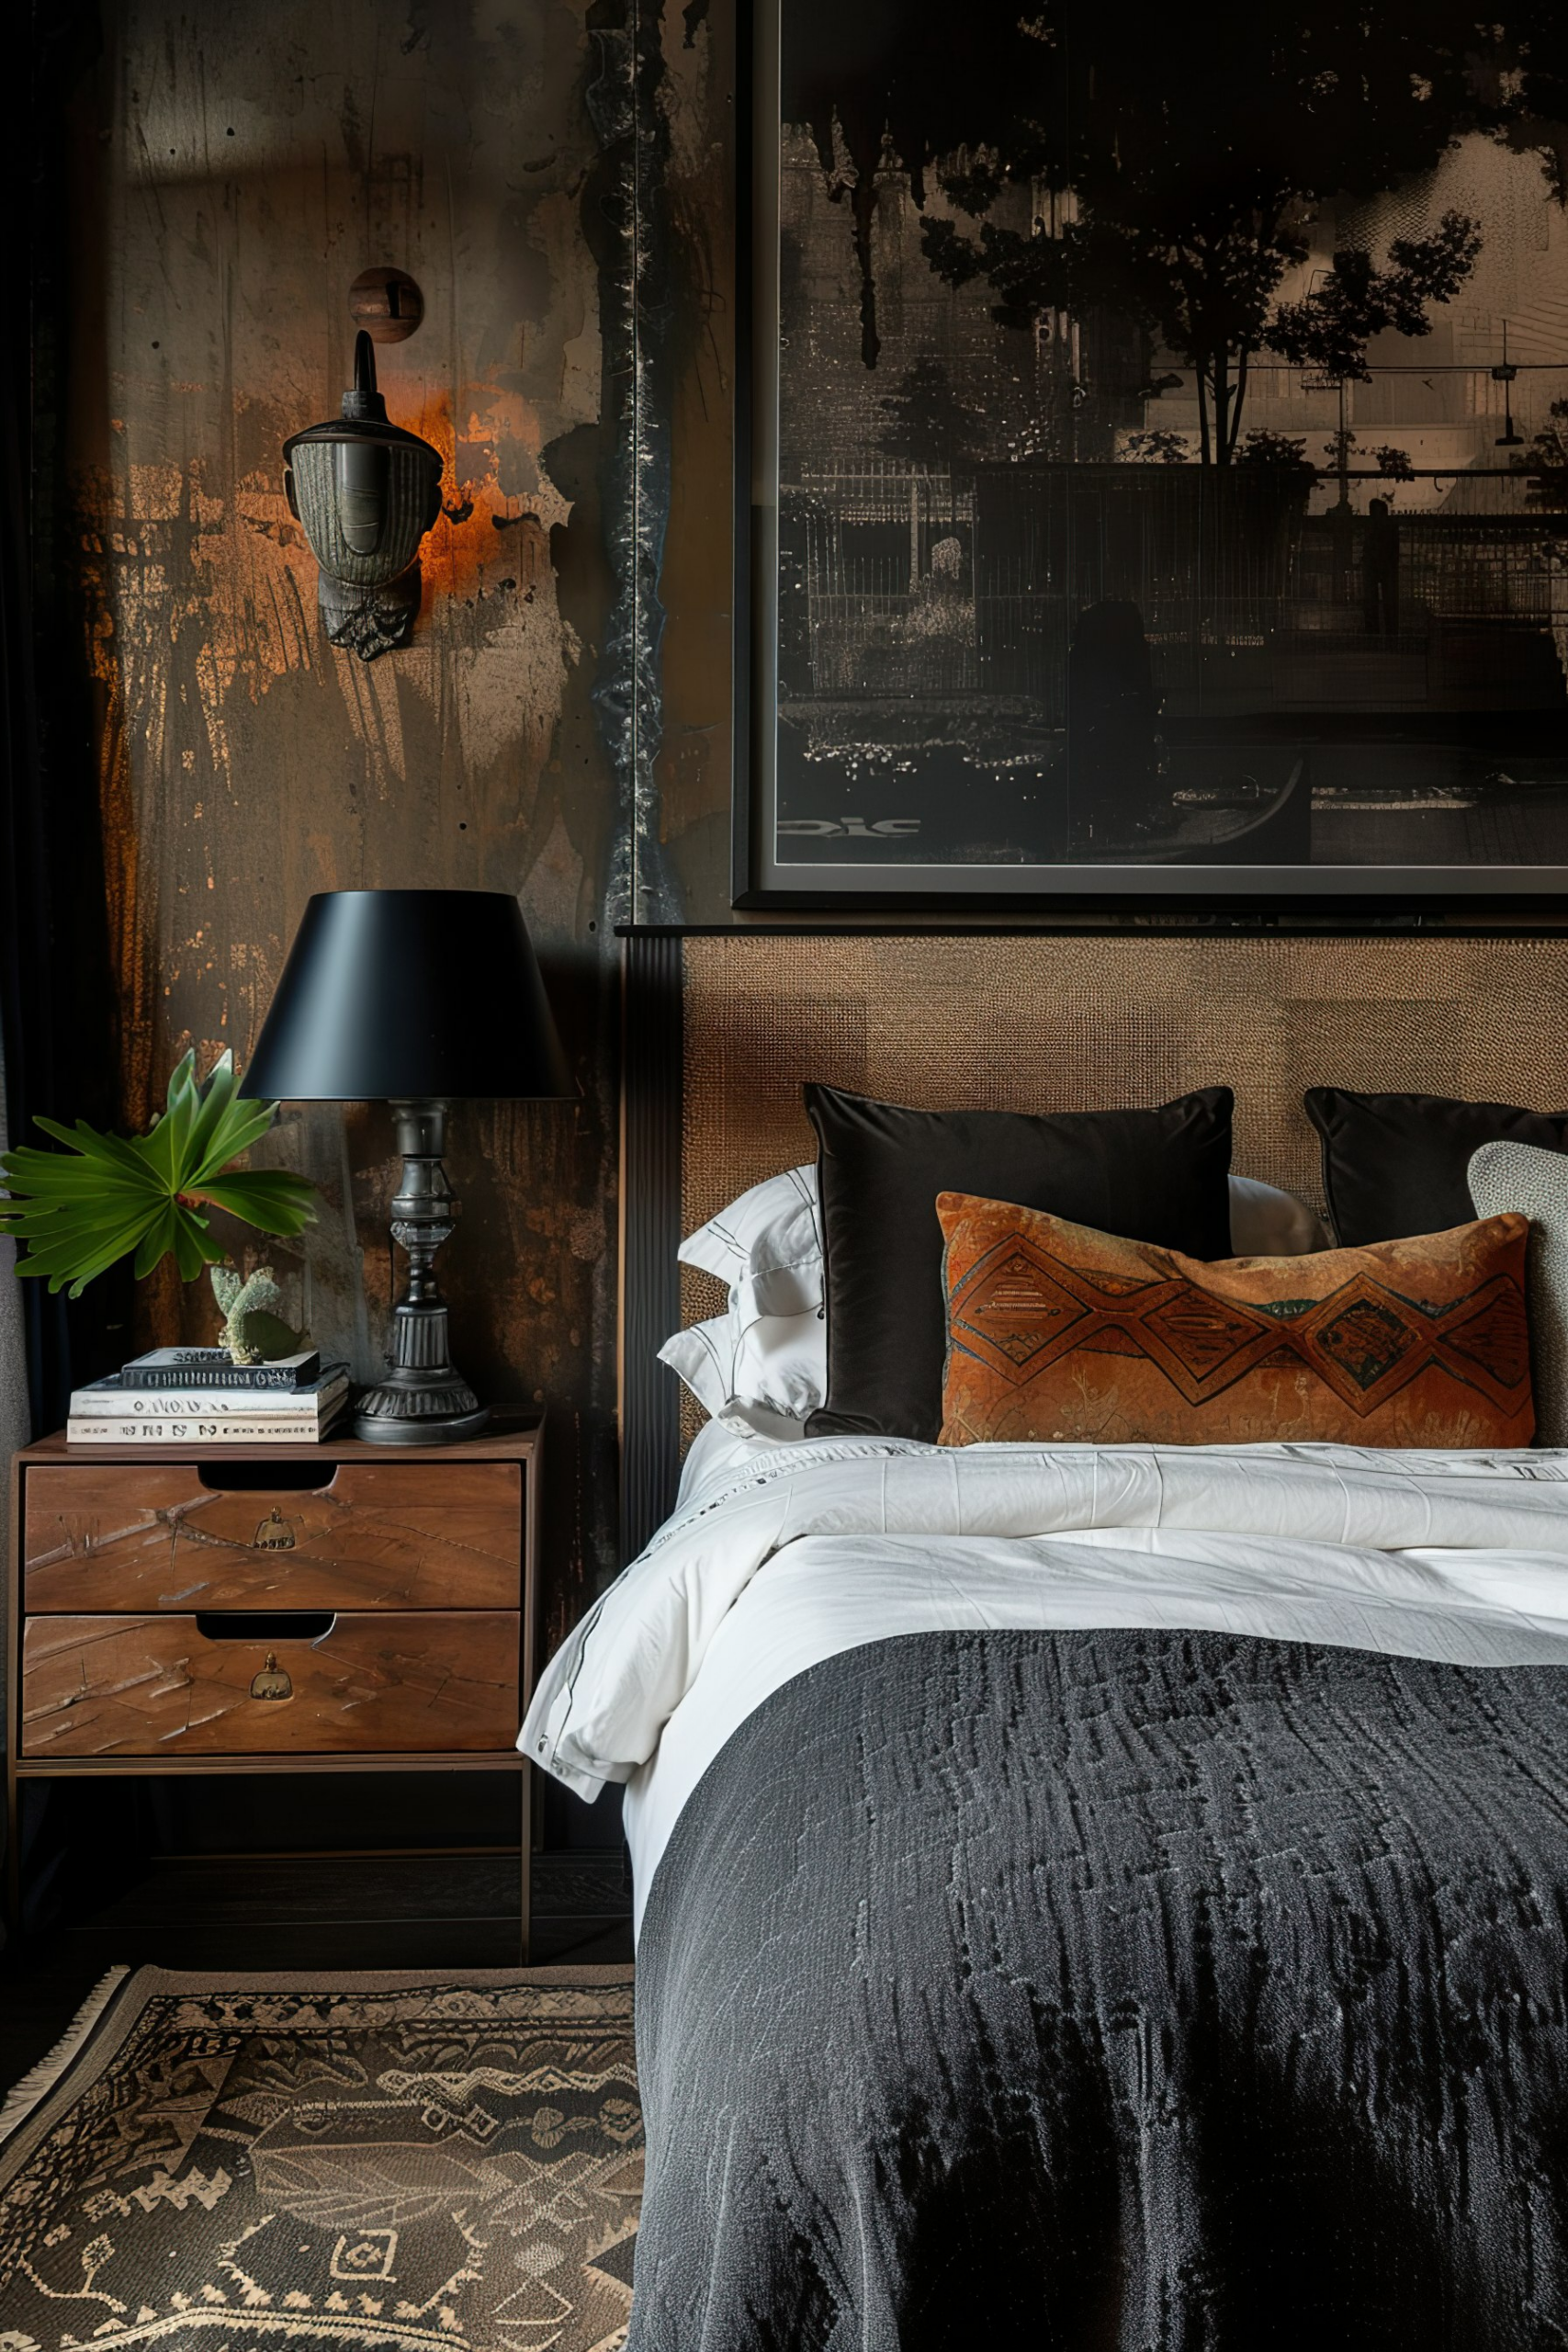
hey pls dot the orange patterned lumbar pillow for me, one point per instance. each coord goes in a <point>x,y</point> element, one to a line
<point>1057,1333</point>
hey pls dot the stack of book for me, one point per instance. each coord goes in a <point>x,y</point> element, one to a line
<point>200,1396</point>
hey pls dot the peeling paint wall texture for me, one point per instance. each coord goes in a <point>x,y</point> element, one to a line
<point>251,164</point>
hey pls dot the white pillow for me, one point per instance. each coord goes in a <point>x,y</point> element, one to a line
<point>1266,1223</point>
<point>774,1365</point>
<point>767,1246</point>
<point>1534,1182</point>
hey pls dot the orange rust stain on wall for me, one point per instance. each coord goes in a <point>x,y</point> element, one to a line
<point>470,546</point>
<point>127,962</point>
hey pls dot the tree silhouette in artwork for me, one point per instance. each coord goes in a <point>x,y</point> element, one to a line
<point>1533,102</point>
<point>926,423</point>
<point>1155,448</point>
<point>1330,327</point>
<point>1282,451</point>
<point>1188,172</point>
<point>1211,299</point>
<point>1546,460</point>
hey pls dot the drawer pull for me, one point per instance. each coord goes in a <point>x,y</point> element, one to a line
<point>272,1683</point>
<point>291,1477</point>
<point>274,1534</point>
<point>264,1624</point>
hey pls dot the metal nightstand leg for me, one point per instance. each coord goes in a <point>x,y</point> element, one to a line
<point>525,1891</point>
<point>13,1883</point>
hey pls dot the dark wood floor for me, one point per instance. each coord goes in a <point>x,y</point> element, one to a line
<point>314,1912</point>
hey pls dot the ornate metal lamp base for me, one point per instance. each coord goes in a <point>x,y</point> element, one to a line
<point>424,1400</point>
<point>388,1416</point>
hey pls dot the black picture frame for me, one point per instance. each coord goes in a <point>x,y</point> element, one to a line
<point>1227,876</point>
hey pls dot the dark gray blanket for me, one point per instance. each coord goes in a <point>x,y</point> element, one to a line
<point>1132,1990</point>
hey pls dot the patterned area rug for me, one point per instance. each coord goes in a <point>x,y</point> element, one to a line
<point>390,2160</point>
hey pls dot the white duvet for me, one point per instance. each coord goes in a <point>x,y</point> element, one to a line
<point>781,1556</point>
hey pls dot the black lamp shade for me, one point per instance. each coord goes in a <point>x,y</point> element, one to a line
<point>389,994</point>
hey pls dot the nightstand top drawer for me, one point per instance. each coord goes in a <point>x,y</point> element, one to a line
<point>370,1684</point>
<point>137,1536</point>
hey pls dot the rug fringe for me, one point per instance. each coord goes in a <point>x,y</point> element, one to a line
<point>39,2080</point>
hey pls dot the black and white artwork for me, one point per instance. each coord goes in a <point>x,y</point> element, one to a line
<point>1159,448</point>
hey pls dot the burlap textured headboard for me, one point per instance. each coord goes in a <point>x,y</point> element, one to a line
<point>722,1030</point>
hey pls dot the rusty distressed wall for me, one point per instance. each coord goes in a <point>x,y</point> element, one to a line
<point>231,170</point>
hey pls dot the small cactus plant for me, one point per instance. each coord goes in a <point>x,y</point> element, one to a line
<point>254,1331</point>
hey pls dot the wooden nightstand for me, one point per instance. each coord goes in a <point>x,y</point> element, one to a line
<point>254,1608</point>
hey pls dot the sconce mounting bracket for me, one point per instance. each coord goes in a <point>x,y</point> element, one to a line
<point>386,303</point>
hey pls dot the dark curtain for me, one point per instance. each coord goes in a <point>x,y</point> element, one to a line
<point>56,1000</point>
<point>24,936</point>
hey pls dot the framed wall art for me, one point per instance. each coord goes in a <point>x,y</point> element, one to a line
<point>1156,470</point>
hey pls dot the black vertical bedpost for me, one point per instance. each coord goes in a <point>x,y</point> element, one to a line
<point>650,1231</point>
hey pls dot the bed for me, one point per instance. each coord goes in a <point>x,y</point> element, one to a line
<point>1091,1895</point>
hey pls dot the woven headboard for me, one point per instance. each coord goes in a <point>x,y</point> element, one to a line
<point>722,1030</point>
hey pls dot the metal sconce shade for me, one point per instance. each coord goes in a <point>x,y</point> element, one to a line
<point>392,994</point>
<point>364,493</point>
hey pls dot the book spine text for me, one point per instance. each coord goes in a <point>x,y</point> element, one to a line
<point>193,1431</point>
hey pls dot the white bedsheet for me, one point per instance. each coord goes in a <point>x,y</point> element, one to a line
<point>714,1453</point>
<point>787,1554</point>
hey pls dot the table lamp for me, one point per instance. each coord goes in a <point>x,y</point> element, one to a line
<point>412,998</point>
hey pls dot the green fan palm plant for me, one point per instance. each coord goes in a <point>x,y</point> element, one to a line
<point>77,1213</point>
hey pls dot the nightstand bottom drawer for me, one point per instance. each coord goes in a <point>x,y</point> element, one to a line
<point>371,1683</point>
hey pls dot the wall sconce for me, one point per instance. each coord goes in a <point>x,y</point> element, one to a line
<point>364,493</point>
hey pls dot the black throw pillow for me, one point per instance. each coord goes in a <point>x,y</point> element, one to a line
<point>1148,1175</point>
<point>1395,1164</point>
